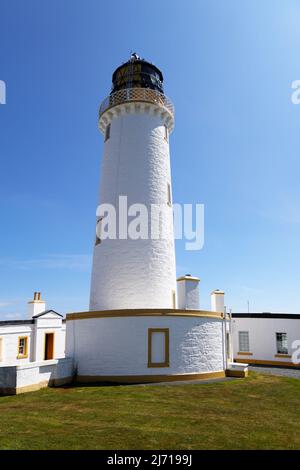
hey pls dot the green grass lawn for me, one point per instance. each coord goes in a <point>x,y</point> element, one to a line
<point>260,412</point>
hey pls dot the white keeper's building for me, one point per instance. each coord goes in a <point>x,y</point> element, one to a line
<point>266,338</point>
<point>32,351</point>
<point>40,337</point>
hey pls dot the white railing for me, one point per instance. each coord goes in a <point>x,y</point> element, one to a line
<point>145,95</point>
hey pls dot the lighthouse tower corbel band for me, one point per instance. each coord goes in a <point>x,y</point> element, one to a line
<point>136,120</point>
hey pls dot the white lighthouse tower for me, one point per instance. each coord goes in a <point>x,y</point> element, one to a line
<point>135,270</point>
<point>135,330</point>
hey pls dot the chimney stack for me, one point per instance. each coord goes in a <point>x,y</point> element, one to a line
<point>188,292</point>
<point>36,306</point>
<point>217,300</point>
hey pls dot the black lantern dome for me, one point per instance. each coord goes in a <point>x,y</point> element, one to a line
<point>137,73</point>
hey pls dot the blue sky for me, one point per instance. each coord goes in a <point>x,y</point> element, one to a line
<point>228,67</point>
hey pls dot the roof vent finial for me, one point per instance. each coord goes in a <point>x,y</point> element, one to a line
<point>134,56</point>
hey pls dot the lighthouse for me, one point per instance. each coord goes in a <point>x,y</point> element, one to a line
<point>135,329</point>
<point>136,121</point>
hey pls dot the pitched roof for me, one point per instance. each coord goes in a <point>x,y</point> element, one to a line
<point>45,312</point>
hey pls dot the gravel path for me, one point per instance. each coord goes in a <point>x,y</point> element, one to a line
<point>294,373</point>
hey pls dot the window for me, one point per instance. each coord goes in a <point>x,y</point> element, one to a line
<point>98,231</point>
<point>158,347</point>
<point>174,299</point>
<point>22,347</point>
<point>1,349</point>
<point>169,195</point>
<point>281,343</point>
<point>244,341</point>
<point>107,132</point>
<point>166,137</point>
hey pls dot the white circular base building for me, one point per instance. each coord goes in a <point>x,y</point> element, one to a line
<point>151,345</point>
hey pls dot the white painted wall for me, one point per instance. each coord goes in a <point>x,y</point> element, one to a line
<point>10,334</point>
<point>52,372</point>
<point>262,336</point>
<point>37,372</point>
<point>136,163</point>
<point>119,346</point>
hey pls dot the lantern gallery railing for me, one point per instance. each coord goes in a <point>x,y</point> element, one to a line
<point>145,95</point>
